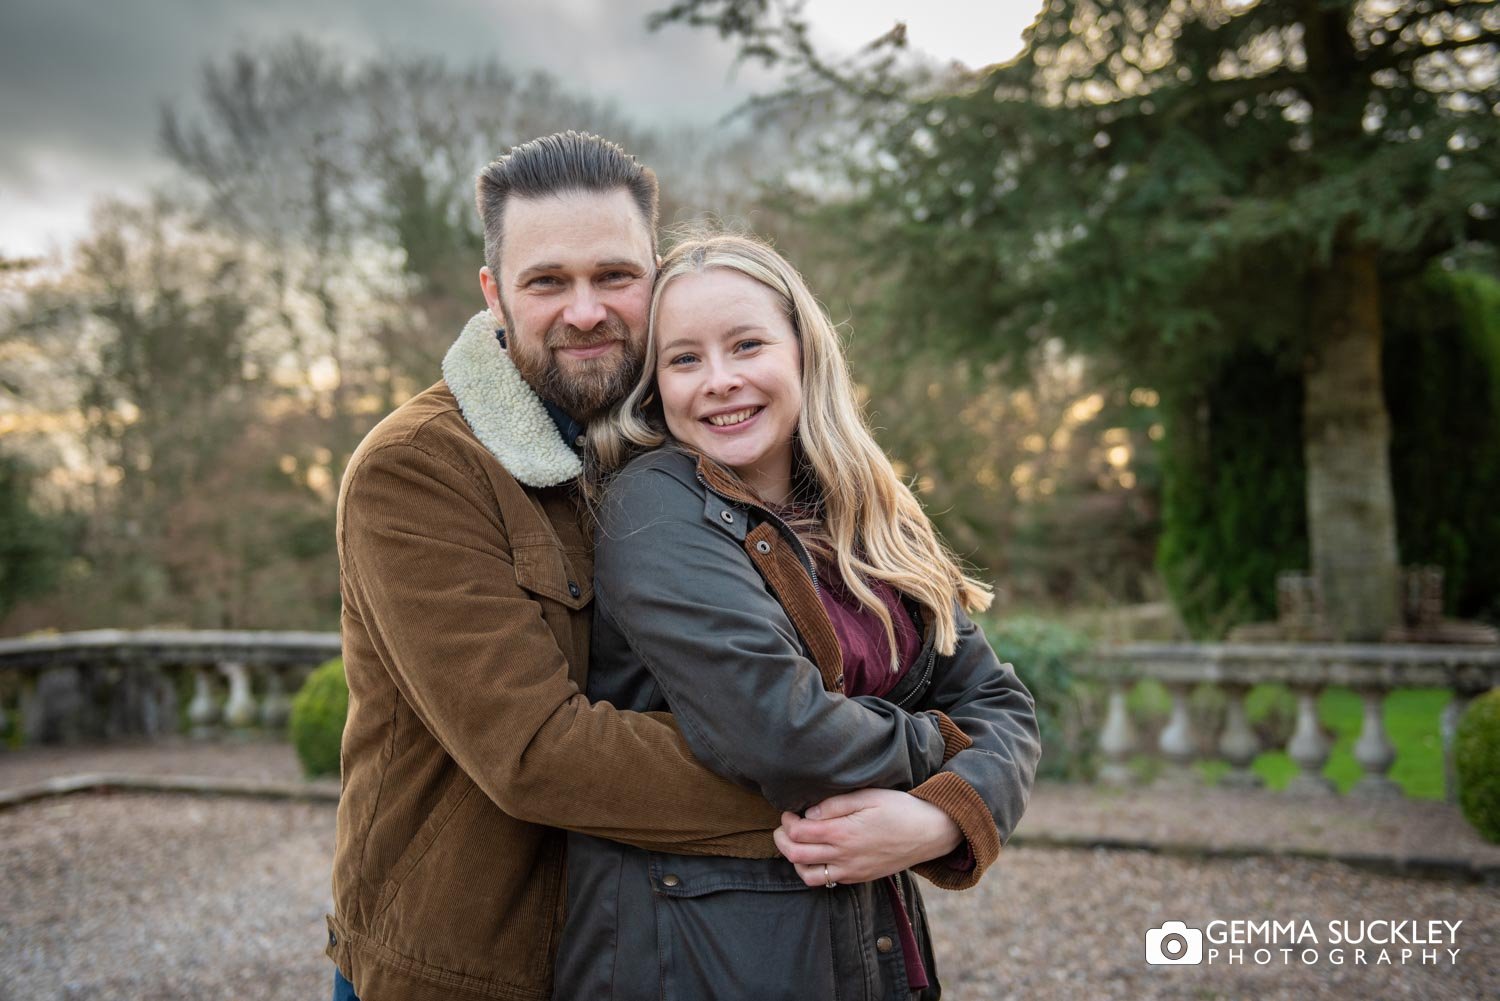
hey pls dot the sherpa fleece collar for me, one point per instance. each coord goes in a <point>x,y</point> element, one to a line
<point>506,414</point>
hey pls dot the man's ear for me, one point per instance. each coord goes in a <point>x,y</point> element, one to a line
<point>491,289</point>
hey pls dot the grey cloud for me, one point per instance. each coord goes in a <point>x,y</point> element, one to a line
<point>81,81</point>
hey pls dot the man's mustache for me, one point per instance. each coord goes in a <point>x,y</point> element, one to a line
<point>569,336</point>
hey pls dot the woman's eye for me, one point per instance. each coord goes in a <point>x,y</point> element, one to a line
<point>748,344</point>
<point>682,359</point>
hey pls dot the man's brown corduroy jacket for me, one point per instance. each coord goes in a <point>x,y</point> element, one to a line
<point>466,579</point>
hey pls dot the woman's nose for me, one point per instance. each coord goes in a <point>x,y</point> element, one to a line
<point>722,379</point>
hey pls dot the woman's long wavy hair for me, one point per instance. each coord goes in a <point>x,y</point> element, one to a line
<point>868,522</point>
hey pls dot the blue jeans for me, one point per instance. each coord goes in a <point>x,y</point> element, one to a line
<point>343,990</point>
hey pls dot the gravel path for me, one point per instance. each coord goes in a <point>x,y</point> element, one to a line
<point>169,897</point>
<point>164,896</point>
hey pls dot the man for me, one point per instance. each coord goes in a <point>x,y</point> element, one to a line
<point>467,575</point>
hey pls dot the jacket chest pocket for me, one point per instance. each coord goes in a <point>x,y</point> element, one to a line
<point>547,571</point>
<point>737,928</point>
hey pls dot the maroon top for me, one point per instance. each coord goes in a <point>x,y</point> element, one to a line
<point>867,671</point>
<point>862,638</point>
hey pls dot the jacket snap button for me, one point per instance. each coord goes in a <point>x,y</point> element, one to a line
<point>332,938</point>
<point>884,943</point>
<point>670,880</point>
<point>573,589</point>
<point>762,546</point>
<point>727,516</point>
<point>839,681</point>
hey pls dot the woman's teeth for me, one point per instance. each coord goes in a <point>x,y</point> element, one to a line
<point>739,416</point>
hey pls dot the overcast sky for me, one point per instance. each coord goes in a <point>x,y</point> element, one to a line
<point>81,81</point>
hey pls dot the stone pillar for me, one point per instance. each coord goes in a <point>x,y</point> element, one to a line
<point>276,707</point>
<point>1176,742</point>
<point>239,711</point>
<point>1308,747</point>
<point>203,711</point>
<point>1117,739</point>
<point>1374,751</point>
<point>1238,744</point>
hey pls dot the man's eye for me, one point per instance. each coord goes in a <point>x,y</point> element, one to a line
<point>544,281</point>
<point>616,277</point>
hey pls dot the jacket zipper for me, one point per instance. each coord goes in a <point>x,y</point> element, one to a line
<point>786,530</point>
<point>926,673</point>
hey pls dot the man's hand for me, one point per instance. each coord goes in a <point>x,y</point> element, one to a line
<point>865,835</point>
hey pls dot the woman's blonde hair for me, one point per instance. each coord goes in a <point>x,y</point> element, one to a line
<point>871,526</point>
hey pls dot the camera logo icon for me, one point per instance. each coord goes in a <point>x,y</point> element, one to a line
<point>1174,944</point>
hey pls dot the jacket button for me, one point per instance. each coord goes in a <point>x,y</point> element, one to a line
<point>884,943</point>
<point>727,516</point>
<point>670,880</point>
<point>332,938</point>
<point>762,546</point>
<point>573,589</point>
<point>839,681</point>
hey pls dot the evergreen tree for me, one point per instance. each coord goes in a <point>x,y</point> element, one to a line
<point>1172,182</point>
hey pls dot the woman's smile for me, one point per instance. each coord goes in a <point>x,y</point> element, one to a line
<point>729,370</point>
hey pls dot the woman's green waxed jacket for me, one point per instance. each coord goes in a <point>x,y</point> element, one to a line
<point>707,605</point>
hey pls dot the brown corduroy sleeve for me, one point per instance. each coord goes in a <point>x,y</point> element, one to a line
<point>429,564</point>
<point>954,739</point>
<point>955,797</point>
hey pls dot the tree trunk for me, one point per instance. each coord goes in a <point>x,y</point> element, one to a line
<point>1351,512</point>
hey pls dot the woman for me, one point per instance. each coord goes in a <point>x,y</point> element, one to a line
<point>763,573</point>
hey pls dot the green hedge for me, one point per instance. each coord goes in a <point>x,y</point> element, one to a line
<point>1476,759</point>
<point>1044,653</point>
<point>317,723</point>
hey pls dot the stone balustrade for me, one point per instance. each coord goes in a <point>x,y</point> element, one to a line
<point>1372,670</point>
<point>108,683</point>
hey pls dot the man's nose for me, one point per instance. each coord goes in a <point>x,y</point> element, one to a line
<point>584,310</point>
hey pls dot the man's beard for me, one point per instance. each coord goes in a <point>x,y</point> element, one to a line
<point>595,384</point>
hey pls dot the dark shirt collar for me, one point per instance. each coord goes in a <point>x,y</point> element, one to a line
<point>570,429</point>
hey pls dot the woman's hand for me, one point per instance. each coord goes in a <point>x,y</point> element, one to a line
<point>865,835</point>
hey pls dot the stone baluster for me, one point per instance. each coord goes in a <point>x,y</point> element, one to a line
<point>1117,739</point>
<point>1238,744</point>
<point>1176,742</point>
<point>1448,730</point>
<point>276,707</point>
<point>239,711</point>
<point>1308,747</point>
<point>203,710</point>
<point>1374,750</point>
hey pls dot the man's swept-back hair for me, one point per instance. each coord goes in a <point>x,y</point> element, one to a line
<point>872,526</point>
<point>555,164</point>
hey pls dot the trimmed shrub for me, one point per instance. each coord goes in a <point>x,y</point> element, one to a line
<point>1044,653</point>
<point>1476,759</point>
<point>317,723</point>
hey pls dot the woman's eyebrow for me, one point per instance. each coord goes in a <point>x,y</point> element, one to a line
<point>734,331</point>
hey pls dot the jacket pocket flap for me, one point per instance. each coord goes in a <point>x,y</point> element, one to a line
<point>697,876</point>
<point>542,569</point>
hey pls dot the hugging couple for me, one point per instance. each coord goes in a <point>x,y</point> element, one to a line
<point>661,684</point>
